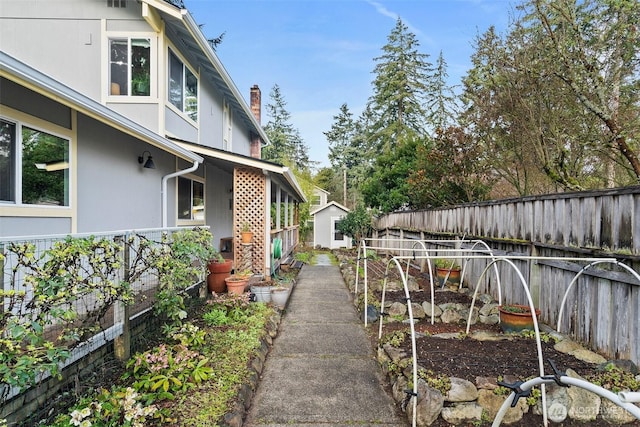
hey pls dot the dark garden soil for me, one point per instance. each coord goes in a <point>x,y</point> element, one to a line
<point>511,359</point>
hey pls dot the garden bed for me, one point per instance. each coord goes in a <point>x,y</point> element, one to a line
<point>444,349</point>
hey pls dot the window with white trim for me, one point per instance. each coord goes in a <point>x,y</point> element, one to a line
<point>34,166</point>
<point>190,199</point>
<point>130,66</point>
<point>226,126</point>
<point>337,234</point>
<point>183,87</point>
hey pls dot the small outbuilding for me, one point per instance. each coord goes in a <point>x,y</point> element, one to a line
<point>325,231</point>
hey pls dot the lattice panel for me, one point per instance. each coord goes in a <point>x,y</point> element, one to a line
<point>249,205</point>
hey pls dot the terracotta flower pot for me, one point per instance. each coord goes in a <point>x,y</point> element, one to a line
<point>218,271</point>
<point>451,276</point>
<point>516,318</point>
<point>246,236</point>
<point>236,285</point>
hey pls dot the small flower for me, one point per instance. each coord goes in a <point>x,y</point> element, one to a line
<point>76,418</point>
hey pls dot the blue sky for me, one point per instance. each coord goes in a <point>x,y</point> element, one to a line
<point>321,52</point>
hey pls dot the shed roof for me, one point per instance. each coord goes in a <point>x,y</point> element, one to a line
<point>333,203</point>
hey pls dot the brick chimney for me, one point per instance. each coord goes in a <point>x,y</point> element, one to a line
<point>255,102</point>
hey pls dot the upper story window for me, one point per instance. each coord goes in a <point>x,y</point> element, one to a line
<point>130,66</point>
<point>116,3</point>
<point>34,166</point>
<point>183,87</point>
<point>227,129</point>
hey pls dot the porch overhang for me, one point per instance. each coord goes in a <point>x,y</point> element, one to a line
<point>226,160</point>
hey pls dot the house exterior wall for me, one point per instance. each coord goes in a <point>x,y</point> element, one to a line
<point>109,190</point>
<point>219,213</point>
<point>24,106</point>
<point>211,118</point>
<point>114,191</point>
<point>69,42</point>
<point>61,38</point>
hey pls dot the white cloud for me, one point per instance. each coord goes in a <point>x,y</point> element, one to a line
<point>381,9</point>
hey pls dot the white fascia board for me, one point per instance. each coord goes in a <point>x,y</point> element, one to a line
<point>165,7</point>
<point>265,166</point>
<point>26,76</point>
<point>199,37</point>
<point>332,203</point>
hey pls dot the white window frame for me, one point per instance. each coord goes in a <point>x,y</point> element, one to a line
<point>192,221</point>
<point>153,71</point>
<point>334,220</point>
<point>185,66</point>
<point>21,120</point>
<point>227,126</point>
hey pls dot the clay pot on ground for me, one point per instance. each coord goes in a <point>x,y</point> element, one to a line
<point>448,276</point>
<point>516,317</point>
<point>236,284</point>
<point>218,271</point>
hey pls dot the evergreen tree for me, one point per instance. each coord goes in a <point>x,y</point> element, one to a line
<point>343,154</point>
<point>396,119</point>
<point>388,188</point>
<point>340,138</point>
<point>443,106</point>
<point>402,83</point>
<point>287,146</point>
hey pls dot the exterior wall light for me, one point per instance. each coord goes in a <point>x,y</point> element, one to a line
<point>149,163</point>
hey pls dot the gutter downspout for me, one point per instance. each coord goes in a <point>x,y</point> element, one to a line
<point>164,188</point>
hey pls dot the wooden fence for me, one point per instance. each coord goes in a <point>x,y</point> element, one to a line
<point>563,234</point>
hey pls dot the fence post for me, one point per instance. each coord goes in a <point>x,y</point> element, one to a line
<point>122,343</point>
<point>423,261</point>
<point>534,277</point>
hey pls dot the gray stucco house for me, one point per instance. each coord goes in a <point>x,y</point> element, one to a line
<point>95,92</point>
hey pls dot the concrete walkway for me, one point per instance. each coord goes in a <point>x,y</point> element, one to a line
<point>321,370</point>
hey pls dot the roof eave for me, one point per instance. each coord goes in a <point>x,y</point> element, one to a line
<point>194,29</point>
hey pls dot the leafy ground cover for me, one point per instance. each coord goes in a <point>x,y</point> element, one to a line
<point>190,376</point>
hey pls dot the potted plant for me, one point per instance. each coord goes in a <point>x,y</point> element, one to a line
<point>516,317</point>
<point>219,269</point>
<point>447,272</point>
<point>237,282</point>
<point>245,233</point>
